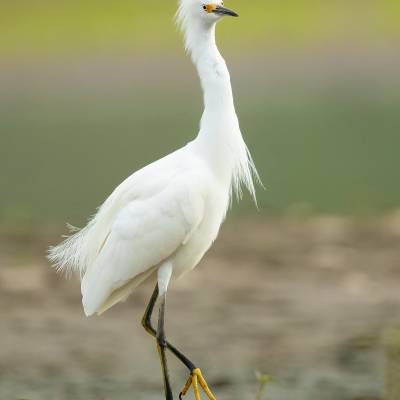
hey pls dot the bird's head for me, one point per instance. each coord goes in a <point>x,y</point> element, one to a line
<point>197,18</point>
<point>204,11</point>
<point>214,11</point>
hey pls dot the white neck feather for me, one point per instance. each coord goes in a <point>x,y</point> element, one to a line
<point>219,140</point>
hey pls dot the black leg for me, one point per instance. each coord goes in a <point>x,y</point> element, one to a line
<point>161,346</point>
<point>196,378</point>
<point>146,322</point>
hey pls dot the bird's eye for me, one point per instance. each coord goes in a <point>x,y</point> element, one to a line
<point>205,7</point>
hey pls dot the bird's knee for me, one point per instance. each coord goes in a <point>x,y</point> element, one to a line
<point>146,323</point>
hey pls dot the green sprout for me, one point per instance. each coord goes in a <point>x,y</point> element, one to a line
<point>263,380</point>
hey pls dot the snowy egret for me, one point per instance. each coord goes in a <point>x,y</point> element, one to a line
<point>163,218</point>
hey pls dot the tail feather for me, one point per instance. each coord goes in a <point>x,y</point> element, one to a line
<point>70,255</point>
<point>80,249</point>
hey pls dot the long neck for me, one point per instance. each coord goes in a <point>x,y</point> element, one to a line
<point>219,140</point>
<point>219,134</point>
<point>213,73</point>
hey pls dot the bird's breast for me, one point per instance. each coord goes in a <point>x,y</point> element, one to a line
<point>190,254</point>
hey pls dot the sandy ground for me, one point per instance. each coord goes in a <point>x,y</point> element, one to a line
<point>305,300</point>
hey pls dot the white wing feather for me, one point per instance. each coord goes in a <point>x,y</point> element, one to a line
<point>144,221</point>
<point>144,234</point>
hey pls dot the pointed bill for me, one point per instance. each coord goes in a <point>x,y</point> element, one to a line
<point>224,11</point>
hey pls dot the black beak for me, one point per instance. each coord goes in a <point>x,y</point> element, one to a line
<point>225,11</point>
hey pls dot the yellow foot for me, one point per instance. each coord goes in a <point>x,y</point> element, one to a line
<point>195,379</point>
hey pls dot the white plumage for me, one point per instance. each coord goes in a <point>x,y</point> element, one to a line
<point>164,217</point>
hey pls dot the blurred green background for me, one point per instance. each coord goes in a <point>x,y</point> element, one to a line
<point>90,91</point>
<point>93,90</point>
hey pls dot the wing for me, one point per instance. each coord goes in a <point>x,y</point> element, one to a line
<point>145,232</point>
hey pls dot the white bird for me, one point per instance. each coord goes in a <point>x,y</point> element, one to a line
<point>163,218</point>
